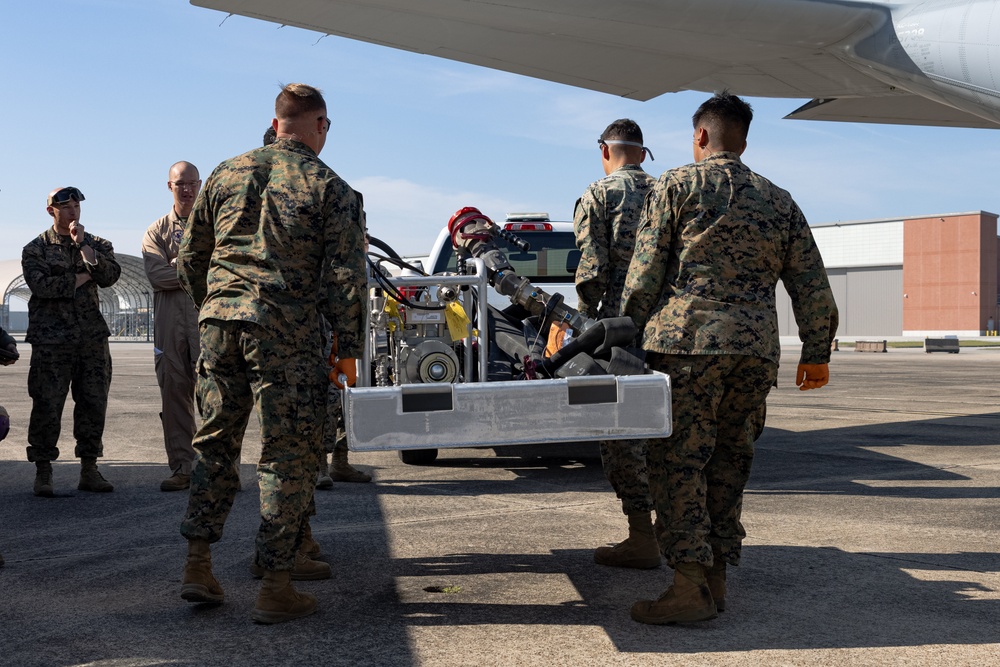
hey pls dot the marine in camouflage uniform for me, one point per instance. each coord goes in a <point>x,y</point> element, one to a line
<point>8,344</point>
<point>335,437</point>
<point>604,222</point>
<point>713,241</point>
<point>64,267</point>
<point>274,240</point>
<point>334,433</point>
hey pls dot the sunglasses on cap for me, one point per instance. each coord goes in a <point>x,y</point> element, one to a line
<point>64,195</point>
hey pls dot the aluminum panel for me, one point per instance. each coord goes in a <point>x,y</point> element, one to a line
<point>478,414</point>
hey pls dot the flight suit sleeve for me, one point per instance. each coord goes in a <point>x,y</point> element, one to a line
<point>644,282</point>
<point>593,239</point>
<point>161,274</point>
<point>806,282</point>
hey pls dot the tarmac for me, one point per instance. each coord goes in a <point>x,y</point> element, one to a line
<point>871,515</point>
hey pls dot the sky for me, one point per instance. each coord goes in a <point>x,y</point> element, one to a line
<point>106,94</point>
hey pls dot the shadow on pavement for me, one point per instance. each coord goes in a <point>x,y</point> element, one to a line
<point>780,598</point>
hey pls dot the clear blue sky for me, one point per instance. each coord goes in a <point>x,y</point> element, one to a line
<point>107,94</point>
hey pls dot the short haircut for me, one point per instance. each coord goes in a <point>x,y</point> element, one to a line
<point>296,100</point>
<point>270,136</point>
<point>623,129</point>
<point>726,113</point>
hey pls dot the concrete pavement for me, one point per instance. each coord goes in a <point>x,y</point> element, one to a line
<point>872,519</point>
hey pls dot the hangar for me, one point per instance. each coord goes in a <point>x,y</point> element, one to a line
<point>933,275</point>
<point>127,305</point>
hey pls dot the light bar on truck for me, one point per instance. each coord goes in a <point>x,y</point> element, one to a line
<point>527,217</point>
<point>528,227</point>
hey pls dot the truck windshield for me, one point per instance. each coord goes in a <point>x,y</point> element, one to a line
<point>552,257</point>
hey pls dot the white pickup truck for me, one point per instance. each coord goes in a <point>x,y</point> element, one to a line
<point>550,263</point>
<point>449,369</point>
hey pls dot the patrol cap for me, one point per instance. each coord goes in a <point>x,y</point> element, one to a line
<point>63,195</point>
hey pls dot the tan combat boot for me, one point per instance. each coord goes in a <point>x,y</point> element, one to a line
<point>342,471</point>
<point>310,547</point>
<point>687,601</point>
<point>178,481</point>
<point>305,569</point>
<point>638,550</point>
<point>323,479</point>
<point>91,478</point>
<point>43,479</point>
<point>278,601</point>
<point>197,583</point>
<point>716,579</point>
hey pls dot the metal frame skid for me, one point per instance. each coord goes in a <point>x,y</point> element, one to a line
<point>429,379</point>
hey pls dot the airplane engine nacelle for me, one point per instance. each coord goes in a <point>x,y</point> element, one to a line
<point>955,44</point>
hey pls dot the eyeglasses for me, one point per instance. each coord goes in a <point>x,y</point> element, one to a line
<point>616,142</point>
<point>328,122</point>
<point>64,195</point>
<point>186,185</point>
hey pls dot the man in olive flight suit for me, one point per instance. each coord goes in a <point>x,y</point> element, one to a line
<point>175,326</point>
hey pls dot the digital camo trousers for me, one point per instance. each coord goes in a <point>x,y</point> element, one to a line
<point>243,365</point>
<point>334,432</point>
<point>626,468</point>
<point>697,475</point>
<point>55,370</point>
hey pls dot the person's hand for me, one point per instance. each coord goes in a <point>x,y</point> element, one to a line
<point>344,373</point>
<point>812,376</point>
<point>12,348</point>
<point>76,232</point>
<point>82,278</point>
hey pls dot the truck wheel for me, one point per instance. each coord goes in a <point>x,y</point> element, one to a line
<point>418,457</point>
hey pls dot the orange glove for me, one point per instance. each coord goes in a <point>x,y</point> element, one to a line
<point>812,376</point>
<point>344,373</point>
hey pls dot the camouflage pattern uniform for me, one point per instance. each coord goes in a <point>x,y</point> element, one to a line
<point>334,429</point>
<point>274,240</point>
<point>69,342</point>
<point>713,241</point>
<point>5,340</point>
<point>604,221</point>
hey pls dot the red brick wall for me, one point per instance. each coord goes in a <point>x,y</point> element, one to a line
<point>949,273</point>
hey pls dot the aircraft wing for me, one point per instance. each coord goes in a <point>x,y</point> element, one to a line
<point>632,48</point>
<point>845,54</point>
<point>894,110</point>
